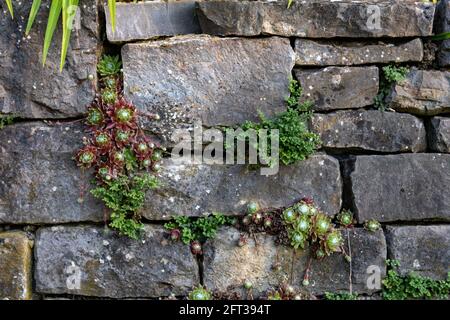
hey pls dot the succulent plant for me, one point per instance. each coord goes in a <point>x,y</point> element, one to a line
<point>345,218</point>
<point>109,96</point>
<point>196,248</point>
<point>95,116</point>
<point>200,293</point>
<point>175,234</point>
<point>333,242</point>
<point>248,284</point>
<point>321,225</point>
<point>289,215</point>
<point>109,65</point>
<point>303,224</point>
<point>86,157</point>
<point>252,207</point>
<point>298,239</point>
<point>372,225</point>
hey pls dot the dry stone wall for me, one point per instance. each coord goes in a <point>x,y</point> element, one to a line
<point>222,62</point>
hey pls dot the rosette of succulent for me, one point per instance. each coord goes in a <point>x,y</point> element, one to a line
<point>123,158</point>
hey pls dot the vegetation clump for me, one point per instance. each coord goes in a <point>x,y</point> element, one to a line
<point>391,74</point>
<point>122,157</point>
<point>412,286</point>
<point>296,142</point>
<point>194,231</point>
<point>6,120</point>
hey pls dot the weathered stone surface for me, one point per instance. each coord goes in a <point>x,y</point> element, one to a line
<point>194,190</point>
<point>423,92</point>
<point>326,53</point>
<point>94,261</point>
<point>425,250</point>
<point>218,81</point>
<point>339,87</point>
<point>227,266</point>
<point>15,266</point>
<point>140,21</point>
<point>405,187</point>
<point>371,130</point>
<point>40,181</point>
<point>440,134</point>
<point>29,90</point>
<point>442,24</point>
<point>317,19</point>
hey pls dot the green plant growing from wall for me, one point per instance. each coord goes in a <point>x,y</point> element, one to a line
<point>194,231</point>
<point>391,74</point>
<point>5,120</point>
<point>412,286</point>
<point>121,155</point>
<point>296,142</point>
<point>299,226</point>
<point>341,296</point>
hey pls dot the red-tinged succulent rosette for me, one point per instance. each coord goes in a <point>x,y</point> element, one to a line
<point>103,141</point>
<point>106,173</point>
<point>117,158</point>
<point>123,115</point>
<point>87,156</point>
<point>95,116</point>
<point>123,137</point>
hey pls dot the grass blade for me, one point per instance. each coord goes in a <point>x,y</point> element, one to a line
<point>112,13</point>
<point>69,9</point>
<point>33,12</point>
<point>10,7</point>
<point>441,36</point>
<point>53,17</point>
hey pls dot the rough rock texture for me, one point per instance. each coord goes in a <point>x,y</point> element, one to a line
<point>339,87</point>
<point>140,21</point>
<point>423,92</point>
<point>227,266</point>
<point>425,250</point>
<point>440,134</point>
<point>371,130</point>
<point>218,81</point>
<point>29,90</point>
<point>194,190</point>
<point>94,261</point>
<point>326,53</point>
<point>40,181</point>
<point>15,266</point>
<point>403,187</point>
<point>442,24</point>
<point>317,19</point>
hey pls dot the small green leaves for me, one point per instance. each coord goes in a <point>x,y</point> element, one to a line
<point>5,120</point>
<point>391,75</point>
<point>412,286</point>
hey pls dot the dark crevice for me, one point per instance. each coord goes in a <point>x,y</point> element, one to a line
<point>347,166</point>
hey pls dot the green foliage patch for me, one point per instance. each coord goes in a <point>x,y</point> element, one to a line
<point>412,286</point>
<point>391,74</point>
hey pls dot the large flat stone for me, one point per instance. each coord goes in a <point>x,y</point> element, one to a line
<point>440,134</point>
<point>29,90</point>
<point>370,130</point>
<point>215,80</point>
<point>15,266</point>
<point>333,88</point>
<point>317,19</point>
<point>197,189</point>
<point>326,53</point>
<point>423,92</point>
<point>424,250</point>
<point>227,266</point>
<point>407,187</point>
<point>94,261</point>
<point>40,181</point>
<point>141,21</point>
